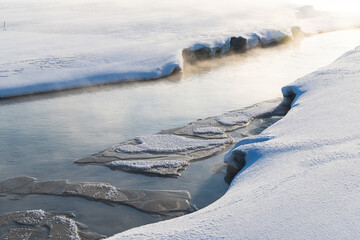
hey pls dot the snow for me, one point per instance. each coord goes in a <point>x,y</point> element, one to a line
<point>301,178</point>
<point>272,36</point>
<point>245,115</point>
<point>148,164</point>
<point>169,143</point>
<point>208,130</point>
<point>53,45</point>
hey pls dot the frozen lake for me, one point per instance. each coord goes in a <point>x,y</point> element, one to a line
<point>41,136</point>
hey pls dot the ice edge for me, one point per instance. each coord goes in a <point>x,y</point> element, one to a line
<point>198,51</point>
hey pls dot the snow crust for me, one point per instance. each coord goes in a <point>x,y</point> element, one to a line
<point>244,116</point>
<point>53,45</point>
<point>208,130</point>
<point>168,143</point>
<point>148,164</point>
<point>301,178</point>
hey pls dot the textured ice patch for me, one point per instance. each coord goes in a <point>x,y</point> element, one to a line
<point>245,115</point>
<point>168,143</point>
<point>159,167</point>
<point>160,202</point>
<point>148,164</point>
<point>38,224</point>
<point>208,130</point>
<point>170,151</point>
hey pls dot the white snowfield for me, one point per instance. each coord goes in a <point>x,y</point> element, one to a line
<point>301,179</point>
<point>54,45</point>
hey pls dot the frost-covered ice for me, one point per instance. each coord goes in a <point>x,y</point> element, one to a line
<point>41,225</point>
<point>244,116</point>
<point>168,143</point>
<point>208,130</point>
<point>161,154</point>
<point>53,45</point>
<point>143,165</point>
<point>301,179</point>
<point>160,167</point>
<point>171,150</point>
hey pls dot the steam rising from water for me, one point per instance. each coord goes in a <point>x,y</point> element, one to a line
<point>331,5</point>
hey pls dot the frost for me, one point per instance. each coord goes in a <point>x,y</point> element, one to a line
<point>245,115</point>
<point>168,143</point>
<point>208,130</point>
<point>148,164</point>
<point>38,224</point>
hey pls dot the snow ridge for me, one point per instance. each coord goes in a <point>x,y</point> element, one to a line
<point>74,71</point>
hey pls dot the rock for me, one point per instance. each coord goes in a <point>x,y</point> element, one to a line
<point>238,43</point>
<point>196,55</point>
<point>234,166</point>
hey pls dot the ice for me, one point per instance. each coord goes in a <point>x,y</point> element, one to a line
<point>268,37</point>
<point>301,178</point>
<point>168,143</point>
<point>171,150</point>
<point>208,130</point>
<point>159,202</point>
<point>38,224</point>
<point>244,116</point>
<point>143,165</point>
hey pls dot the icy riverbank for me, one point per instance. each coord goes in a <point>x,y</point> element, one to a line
<point>301,177</point>
<point>48,46</point>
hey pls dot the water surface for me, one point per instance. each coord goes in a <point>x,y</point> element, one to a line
<point>41,136</point>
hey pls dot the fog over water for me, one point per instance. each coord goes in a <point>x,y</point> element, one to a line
<point>40,136</point>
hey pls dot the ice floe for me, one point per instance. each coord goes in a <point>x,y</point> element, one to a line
<point>165,202</point>
<point>41,225</point>
<point>170,151</point>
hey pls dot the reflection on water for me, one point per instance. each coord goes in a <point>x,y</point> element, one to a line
<point>42,136</point>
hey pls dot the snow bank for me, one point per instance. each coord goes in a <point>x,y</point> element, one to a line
<point>301,178</point>
<point>53,45</point>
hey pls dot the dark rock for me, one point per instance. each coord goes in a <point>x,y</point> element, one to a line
<point>238,43</point>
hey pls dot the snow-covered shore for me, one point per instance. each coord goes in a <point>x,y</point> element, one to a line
<point>301,179</point>
<point>54,45</point>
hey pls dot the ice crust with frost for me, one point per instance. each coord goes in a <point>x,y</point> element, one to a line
<point>168,143</point>
<point>208,130</point>
<point>38,224</point>
<point>53,45</point>
<point>147,164</point>
<point>301,178</point>
<point>244,116</point>
<point>171,150</point>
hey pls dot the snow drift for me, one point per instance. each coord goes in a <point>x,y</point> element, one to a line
<point>301,178</point>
